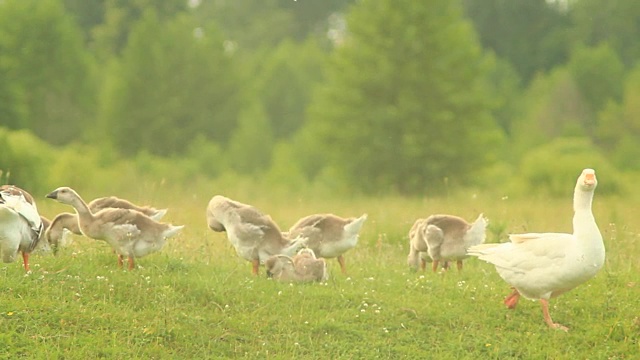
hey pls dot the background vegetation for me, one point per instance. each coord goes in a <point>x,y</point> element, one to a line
<point>396,108</point>
<point>371,97</point>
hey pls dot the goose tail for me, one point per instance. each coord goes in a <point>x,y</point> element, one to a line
<point>172,231</point>
<point>353,228</point>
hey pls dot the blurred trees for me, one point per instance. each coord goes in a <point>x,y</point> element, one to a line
<point>377,95</point>
<point>400,108</point>
<point>46,75</point>
<point>174,82</point>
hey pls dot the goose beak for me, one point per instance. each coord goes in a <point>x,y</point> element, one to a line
<point>53,195</point>
<point>589,179</point>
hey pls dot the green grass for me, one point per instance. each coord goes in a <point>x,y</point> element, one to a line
<point>197,299</point>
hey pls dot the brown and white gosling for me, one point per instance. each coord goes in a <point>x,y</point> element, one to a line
<point>443,238</point>
<point>63,222</point>
<point>130,233</point>
<point>254,235</point>
<point>329,235</point>
<point>302,267</point>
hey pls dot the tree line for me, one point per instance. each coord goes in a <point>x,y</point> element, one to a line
<point>381,95</point>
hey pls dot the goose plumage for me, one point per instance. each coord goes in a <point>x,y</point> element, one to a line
<point>329,235</point>
<point>131,233</point>
<point>540,266</point>
<point>254,235</point>
<point>443,238</point>
<point>21,226</point>
<point>302,267</point>
<point>68,222</point>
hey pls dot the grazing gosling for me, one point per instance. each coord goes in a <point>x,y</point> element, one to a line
<point>132,234</point>
<point>254,235</point>
<point>328,235</point>
<point>443,238</point>
<point>302,267</point>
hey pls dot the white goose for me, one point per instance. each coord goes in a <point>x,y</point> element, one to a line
<point>302,267</point>
<point>68,222</point>
<point>21,227</point>
<point>443,238</point>
<point>545,265</point>
<point>254,235</point>
<point>328,235</point>
<point>130,233</point>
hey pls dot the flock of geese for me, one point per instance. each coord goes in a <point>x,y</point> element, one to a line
<point>538,266</point>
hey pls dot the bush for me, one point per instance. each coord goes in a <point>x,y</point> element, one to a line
<point>553,168</point>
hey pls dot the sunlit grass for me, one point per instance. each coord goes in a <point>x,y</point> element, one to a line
<point>197,299</point>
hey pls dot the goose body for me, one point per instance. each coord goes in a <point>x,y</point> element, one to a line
<point>443,238</point>
<point>302,267</point>
<point>541,266</point>
<point>254,235</point>
<point>329,235</point>
<point>68,222</point>
<point>21,226</point>
<point>131,233</point>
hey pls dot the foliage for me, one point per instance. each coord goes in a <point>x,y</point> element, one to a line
<point>550,167</point>
<point>166,81</point>
<point>251,145</point>
<point>612,22</point>
<point>46,80</point>
<point>598,74</point>
<point>284,80</point>
<point>532,35</point>
<point>553,107</point>
<point>386,127</point>
<point>24,159</point>
<point>618,129</point>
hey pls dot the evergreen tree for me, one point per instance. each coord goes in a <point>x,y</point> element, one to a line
<point>403,107</point>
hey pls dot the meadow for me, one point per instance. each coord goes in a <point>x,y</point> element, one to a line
<point>196,299</point>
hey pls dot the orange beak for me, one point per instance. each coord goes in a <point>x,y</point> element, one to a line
<point>589,179</point>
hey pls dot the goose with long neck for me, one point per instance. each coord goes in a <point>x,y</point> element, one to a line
<point>541,266</point>
<point>64,223</point>
<point>131,233</point>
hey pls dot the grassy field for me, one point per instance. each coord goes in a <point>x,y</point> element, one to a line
<point>197,299</point>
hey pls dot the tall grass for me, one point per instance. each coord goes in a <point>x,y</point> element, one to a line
<point>198,299</point>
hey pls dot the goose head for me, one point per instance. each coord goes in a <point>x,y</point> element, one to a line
<point>64,195</point>
<point>587,180</point>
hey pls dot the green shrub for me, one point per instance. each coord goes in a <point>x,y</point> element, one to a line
<point>552,168</point>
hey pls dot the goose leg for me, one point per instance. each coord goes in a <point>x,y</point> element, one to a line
<point>120,261</point>
<point>423,264</point>
<point>25,260</point>
<point>131,263</point>
<point>434,266</point>
<point>342,265</point>
<point>459,263</point>
<point>512,299</point>
<point>256,266</point>
<point>547,317</point>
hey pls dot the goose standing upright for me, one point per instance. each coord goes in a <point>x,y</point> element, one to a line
<point>443,238</point>
<point>21,227</point>
<point>130,233</point>
<point>544,265</point>
<point>254,235</point>
<point>329,235</point>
